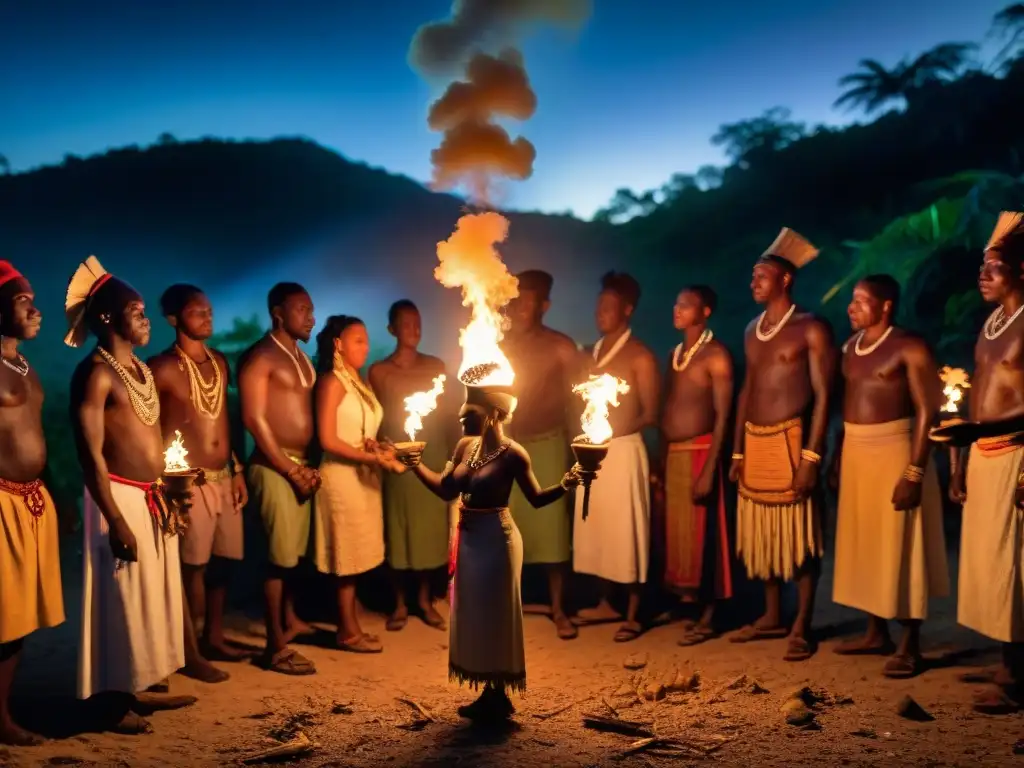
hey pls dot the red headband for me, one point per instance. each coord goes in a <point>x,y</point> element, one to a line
<point>99,283</point>
<point>8,273</point>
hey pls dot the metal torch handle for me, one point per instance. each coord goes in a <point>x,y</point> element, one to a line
<point>586,498</point>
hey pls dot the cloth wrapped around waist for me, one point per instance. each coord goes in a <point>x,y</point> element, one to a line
<point>771,456</point>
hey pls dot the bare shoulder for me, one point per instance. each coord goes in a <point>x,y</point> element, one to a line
<point>162,360</point>
<point>815,327</point>
<point>91,373</point>
<point>462,446</point>
<point>255,357</point>
<point>640,352</point>
<point>911,345</point>
<point>562,340</point>
<point>718,354</point>
<point>518,451</point>
<point>434,363</point>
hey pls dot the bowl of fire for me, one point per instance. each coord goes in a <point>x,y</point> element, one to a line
<point>409,448</point>
<point>960,433</point>
<point>180,483</point>
<point>589,455</point>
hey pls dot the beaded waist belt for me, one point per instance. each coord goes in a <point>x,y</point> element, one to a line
<point>31,492</point>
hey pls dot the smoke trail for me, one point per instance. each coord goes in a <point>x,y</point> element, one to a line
<point>475,149</point>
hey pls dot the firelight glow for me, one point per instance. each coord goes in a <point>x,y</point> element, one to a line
<point>469,260</point>
<point>599,392</point>
<point>419,404</point>
<point>955,381</point>
<point>174,456</point>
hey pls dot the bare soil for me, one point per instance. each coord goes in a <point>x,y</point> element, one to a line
<point>351,710</point>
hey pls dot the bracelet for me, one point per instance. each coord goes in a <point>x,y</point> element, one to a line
<point>737,457</point>
<point>808,455</point>
<point>913,473</point>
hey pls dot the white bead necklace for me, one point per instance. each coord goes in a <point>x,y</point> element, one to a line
<point>998,322</point>
<point>861,352</point>
<point>616,348</point>
<point>295,360</point>
<point>704,338</point>
<point>763,336</point>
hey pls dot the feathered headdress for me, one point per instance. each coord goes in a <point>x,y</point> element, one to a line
<point>8,273</point>
<point>1007,223</point>
<point>792,247</point>
<point>88,279</point>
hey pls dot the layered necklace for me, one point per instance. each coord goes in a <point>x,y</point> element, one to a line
<point>677,365</point>
<point>616,348</point>
<point>998,322</point>
<point>861,352</point>
<point>295,360</point>
<point>207,397</point>
<point>478,461</point>
<point>763,335</point>
<point>19,364</point>
<point>143,396</point>
<point>366,396</point>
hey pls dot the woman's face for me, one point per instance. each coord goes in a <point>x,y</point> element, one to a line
<point>354,345</point>
<point>473,420</point>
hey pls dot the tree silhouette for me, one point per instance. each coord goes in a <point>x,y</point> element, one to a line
<point>5,165</point>
<point>1008,23</point>
<point>165,138</point>
<point>747,142</point>
<point>876,86</point>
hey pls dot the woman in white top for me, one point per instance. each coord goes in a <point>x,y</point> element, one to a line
<point>349,516</point>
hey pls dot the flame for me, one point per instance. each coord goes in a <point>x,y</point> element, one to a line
<point>469,260</point>
<point>419,404</point>
<point>955,381</point>
<point>599,393</point>
<point>174,456</point>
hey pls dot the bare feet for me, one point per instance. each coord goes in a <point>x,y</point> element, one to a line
<point>398,619</point>
<point>566,629</point>
<point>203,671</point>
<point>868,645</point>
<point>601,612</point>
<point>132,725</point>
<point>148,703</point>
<point>902,666</point>
<point>13,735</point>
<point>295,629</point>
<point>221,651</point>
<point>432,617</point>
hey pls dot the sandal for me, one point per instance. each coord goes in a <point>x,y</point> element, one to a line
<point>566,629</point>
<point>902,666</point>
<point>860,648</point>
<point>288,662</point>
<point>996,700</point>
<point>628,632</point>
<point>752,633</point>
<point>361,644</point>
<point>396,623</point>
<point>132,725</point>
<point>798,649</point>
<point>697,634</point>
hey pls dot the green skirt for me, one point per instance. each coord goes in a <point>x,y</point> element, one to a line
<point>546,531</point>
<point>416,521</point>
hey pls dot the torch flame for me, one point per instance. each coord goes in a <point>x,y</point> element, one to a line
<point>599,393</point>
<point>174,456</point>
<point>470,261</point>
<point>955,381</point>
<point>419,404</point>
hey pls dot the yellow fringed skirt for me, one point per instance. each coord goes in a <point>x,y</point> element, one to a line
<point>776,531</point>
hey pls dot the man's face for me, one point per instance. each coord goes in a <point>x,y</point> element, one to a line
<point>997,278</point>
<point>296,316</point>
<point>865,308</point>
<point>612,311</point>
<point>407,328</point>
<point>768,281</point>
<point>689,311</point>
<point>196,319</point>
<point>134,325</point>
<point>19,316</point>
<point>526,310</point>
<point>472,418</point>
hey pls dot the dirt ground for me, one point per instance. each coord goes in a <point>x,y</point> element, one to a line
<point>351,711</point>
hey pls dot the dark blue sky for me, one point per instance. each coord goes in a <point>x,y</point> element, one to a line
<point>632,98</point>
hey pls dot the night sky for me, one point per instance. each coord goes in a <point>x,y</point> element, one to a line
<point>632,98</point>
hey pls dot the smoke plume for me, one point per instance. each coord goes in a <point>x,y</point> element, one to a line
<point>475,149</point>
